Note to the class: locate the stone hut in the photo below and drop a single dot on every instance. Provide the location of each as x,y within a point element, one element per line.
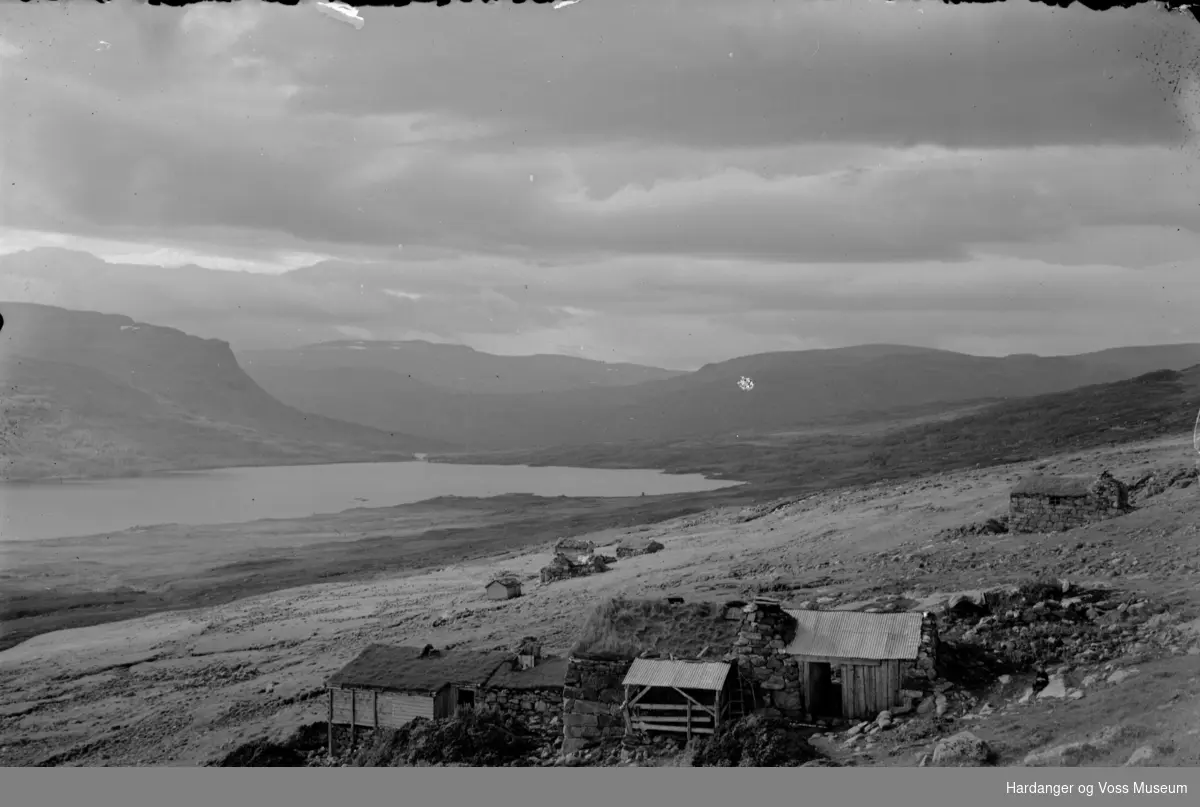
<point>574,547</point>
<point>854,665</point>
<point>1055,503</point>
<point>563,568</point>
<point>503,588</point>
<point>529,687</point>
<point>620,632</point>
<point>629,549</point>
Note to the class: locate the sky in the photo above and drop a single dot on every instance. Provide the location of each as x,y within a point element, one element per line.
<point>671,183</point>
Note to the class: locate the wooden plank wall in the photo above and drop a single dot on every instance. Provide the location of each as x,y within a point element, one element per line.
<point>389,710</point>
<point>868,690</point>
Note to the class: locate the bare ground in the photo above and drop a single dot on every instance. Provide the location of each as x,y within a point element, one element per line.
<point>182,687</point>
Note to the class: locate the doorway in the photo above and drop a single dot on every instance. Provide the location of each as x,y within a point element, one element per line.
<point>466,699</point>
<point>824,690</point>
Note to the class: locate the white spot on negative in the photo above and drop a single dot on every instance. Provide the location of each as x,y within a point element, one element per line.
<point>745,383</point>
<point>342,12</point>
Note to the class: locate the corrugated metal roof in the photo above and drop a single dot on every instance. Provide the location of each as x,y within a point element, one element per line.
<point>854,634</point>
<point>652,672</point>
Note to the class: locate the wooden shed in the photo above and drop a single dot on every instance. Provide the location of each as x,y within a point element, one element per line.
<point>388,686</point>
<point>691,697</point>
<point>852,663</point>
<point>503,588</point>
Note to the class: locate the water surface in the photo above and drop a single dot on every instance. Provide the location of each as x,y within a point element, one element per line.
<point>51,510</point>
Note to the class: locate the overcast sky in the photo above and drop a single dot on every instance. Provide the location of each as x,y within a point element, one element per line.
<point>670,182</point>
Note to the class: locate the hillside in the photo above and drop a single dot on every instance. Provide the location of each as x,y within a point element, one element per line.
<point>97,394</point>
<point>1158,404</point>
<point>456,367</point>
<point>791,390</point>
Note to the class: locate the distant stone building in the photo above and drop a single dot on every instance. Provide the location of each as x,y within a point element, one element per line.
<point>629,549</point>
<point>1055,503</point>
<point>504,588</point>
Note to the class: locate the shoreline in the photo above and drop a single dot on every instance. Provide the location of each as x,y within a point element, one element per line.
<point>442,459</point>
<point>81,581</point>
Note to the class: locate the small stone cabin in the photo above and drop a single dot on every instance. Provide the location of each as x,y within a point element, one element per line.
<point>503,588</point>
<point>854,665</point>
<point>387,686</point>
<point>782,663</point>
<point>1055,503</point>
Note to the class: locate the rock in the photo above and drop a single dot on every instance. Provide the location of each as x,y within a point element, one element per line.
<point>941,705</point>
<point>1139,756</point>
<point>961,750</point>
<point>923,762</point>
<point>1056,688</point>
<point>884,717</point>
<point>1005,680</point>
<point>1074,694</point>
<point>1026,696</point>
<point>1090,680</point>
<point>926,706</point>
<point>1120,676</point>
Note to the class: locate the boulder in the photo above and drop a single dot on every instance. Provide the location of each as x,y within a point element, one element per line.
<point>1056,688</point>
<point>962,750</point>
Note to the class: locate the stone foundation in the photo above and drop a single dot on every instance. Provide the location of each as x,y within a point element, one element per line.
<point>591,702</point>
<point>762,662</point>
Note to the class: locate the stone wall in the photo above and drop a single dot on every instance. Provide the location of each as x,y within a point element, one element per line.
<point>591,702</point>
<point>919,677</point>
<point>536,708</point>
<point>763,663</point>
<point>1045,512</point>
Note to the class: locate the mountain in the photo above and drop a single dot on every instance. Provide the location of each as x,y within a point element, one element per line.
<point>456,367</point>
<point>86,393</point>
<point>790,390</point>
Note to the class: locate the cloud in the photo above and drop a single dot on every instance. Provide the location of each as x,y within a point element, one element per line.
<point>715,179</point>
<point>641,309</point>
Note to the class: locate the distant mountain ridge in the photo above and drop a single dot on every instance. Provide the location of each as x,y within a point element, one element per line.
<point>458,367</point>
<point>88,393</point>
<point>791,389</point>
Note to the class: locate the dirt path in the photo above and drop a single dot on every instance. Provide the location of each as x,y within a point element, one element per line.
<point>179,688</point>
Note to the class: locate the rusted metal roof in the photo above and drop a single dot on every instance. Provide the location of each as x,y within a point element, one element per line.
<point>854,634</point>
<point>653,672</point>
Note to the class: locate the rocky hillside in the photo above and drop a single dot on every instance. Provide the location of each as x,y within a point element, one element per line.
<point>98,394</point>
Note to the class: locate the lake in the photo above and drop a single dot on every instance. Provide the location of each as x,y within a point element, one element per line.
<point>30,512</point>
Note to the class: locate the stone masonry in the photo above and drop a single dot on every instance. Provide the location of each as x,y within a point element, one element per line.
<point>1053,505</point>
<point>763,662</point>
<point>591,702</point>
<point>536,708</point>
<point>920,676</point>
